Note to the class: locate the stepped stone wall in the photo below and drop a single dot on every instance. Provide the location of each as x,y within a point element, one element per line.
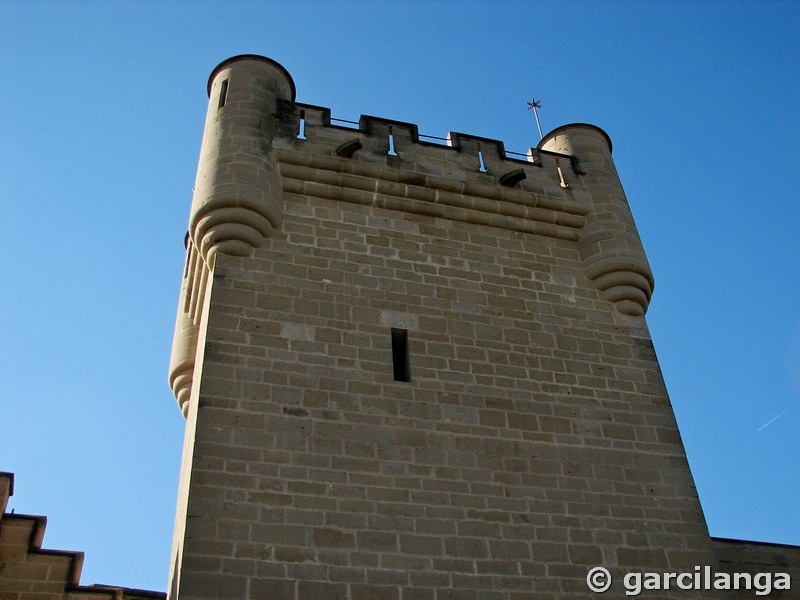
<point>29,572</point>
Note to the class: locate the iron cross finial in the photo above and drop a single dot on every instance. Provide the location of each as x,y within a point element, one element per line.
<point>534,104</point>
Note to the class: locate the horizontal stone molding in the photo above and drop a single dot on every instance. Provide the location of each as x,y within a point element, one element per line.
<point>393,189</point>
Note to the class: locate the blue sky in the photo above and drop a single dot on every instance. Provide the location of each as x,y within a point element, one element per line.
<point>102,113</point>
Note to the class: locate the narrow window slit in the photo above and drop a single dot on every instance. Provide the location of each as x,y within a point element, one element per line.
<point>223,94</point>
<point>392,153</point>
<point>400,361</point>
<point>483,168</point>
<point>302,134</point>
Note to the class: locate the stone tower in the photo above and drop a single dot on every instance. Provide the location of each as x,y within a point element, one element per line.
<point>414,369</point>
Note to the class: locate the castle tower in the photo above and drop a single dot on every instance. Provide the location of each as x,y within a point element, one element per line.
<point>414,370</point>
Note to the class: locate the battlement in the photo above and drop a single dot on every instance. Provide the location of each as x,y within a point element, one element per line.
<point>481,158</point>
<point>463,178</point>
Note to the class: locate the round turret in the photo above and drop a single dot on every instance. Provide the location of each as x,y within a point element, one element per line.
<point>237,198</point>
<point>609,243</point>
<point>237,195</point>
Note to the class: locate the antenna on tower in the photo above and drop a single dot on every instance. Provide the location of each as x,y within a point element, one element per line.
<point>534,104</point>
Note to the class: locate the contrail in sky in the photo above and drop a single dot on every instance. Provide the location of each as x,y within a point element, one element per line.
<point>776,417</point>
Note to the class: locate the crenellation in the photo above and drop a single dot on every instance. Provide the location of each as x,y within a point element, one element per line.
<point>416,154</point>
